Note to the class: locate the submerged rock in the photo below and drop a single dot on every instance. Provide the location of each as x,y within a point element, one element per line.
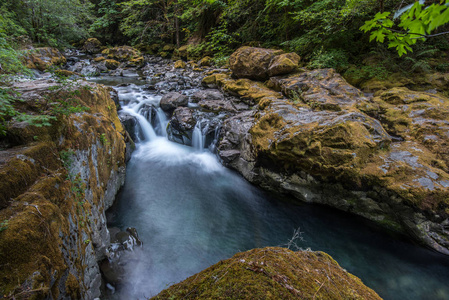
<point>123,244</point>
<point>272,273</point>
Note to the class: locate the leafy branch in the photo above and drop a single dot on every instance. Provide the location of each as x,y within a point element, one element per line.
<point>416,22</point>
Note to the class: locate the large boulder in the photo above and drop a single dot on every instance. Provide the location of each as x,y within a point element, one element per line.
<point>111,64</point>
<point>181,125</point>
<point>260,63</point>
<point>252,62</point>
<point>283,64</point>
<point>173,100</point>
<point>322,89</point>
<point>183,119</point>
<point>92,46</point>
<point>122,53</point>
<point>272,273</point>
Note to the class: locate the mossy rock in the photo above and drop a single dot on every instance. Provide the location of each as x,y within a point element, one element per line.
<point>155,47</point>
<point>393,80</point>
<point>168,48</point>
<point>164,54</point>
<point>43,58</point>
<point>205,61</point>
<point>414,116</point>
<point>121,53</point>
<point>179,64</point>
<point>414,173</point>
<point>65,73</point>
<point>284,64</point>
<point>43,249</point>
<point>111,64</point>
<point>393,146</point>
<point>136,62</point>
<point>144,48</point>
<point>252,62</point>
<point>320,89</point>
<point>92,46</point>
<point>272,273</point>
<point>183,51</point>
<point>98,59</point>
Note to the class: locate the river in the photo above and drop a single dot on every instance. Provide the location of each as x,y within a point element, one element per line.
<point>192,212</point>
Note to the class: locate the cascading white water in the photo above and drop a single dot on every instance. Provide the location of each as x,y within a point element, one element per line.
<point>198,137</point>
<point>146,127</point>
<point>136,102</point>
<point>163,122</point>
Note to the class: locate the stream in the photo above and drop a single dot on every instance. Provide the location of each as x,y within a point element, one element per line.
<point>191,212</point>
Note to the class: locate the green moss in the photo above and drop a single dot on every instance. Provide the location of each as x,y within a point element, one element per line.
<point>272,273</point>
<point>38,196</point>
<point>111,64</point>
<point>179,64</point>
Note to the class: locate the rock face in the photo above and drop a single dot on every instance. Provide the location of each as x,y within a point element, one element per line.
<point>318,138</point>
<point>260,63</point>
<point>56,183</point>
<point>272,273</point>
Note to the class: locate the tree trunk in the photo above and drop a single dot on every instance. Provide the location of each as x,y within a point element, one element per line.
<point>381,5</point>
<point>177,23</point>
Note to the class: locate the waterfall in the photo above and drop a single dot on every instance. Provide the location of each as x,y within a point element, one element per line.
<point>145,108</point>
<point>146,127</point>
<point>163,122</point>
<point>199,136</point>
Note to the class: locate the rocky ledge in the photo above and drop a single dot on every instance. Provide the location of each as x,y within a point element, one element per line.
<point>312,135</point>
<point>272,273</point>
<point>56,183</point>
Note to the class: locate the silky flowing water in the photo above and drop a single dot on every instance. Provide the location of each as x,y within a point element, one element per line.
<point>191,212</point>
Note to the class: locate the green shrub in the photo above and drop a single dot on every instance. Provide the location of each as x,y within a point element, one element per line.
<point>333,58</point>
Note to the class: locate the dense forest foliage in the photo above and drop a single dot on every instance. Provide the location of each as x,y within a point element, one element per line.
<point>325,33</point>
